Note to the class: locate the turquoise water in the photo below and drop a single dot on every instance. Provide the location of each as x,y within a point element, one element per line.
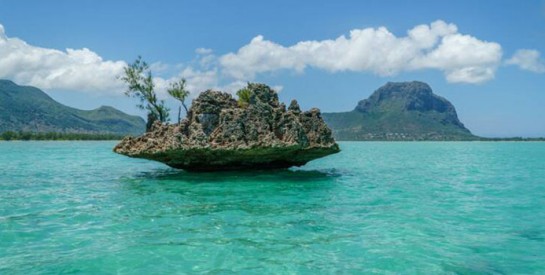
<point>463,207</point>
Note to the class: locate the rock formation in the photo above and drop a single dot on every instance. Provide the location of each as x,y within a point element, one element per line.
<point>220,133</point>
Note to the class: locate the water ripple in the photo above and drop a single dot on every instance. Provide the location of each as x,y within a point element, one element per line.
<point>75,207</point>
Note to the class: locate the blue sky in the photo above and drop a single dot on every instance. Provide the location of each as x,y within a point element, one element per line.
<point>486,57</point>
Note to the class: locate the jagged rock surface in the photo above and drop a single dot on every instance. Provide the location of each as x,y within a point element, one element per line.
<point>218,134</point>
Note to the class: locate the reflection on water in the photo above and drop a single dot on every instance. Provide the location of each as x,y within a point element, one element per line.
<point>472,267</point>
<point>235,176</point>
<point>256,193</point>
<point>266,181</point>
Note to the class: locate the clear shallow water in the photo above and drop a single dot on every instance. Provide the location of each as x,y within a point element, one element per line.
<point>76,207</point>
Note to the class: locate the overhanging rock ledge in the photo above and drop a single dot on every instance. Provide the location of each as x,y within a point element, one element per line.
<point>220,133</point>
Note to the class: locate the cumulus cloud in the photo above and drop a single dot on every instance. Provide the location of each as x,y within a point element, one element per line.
<point>84,70</point>
<point>203,51</point>
<point>72,69</point>
<point>160,67</point>
<point>2,33</point>
<point>198,81</point>
<point>439,46</point>
<point>528,60</point>
<point>436,46</point>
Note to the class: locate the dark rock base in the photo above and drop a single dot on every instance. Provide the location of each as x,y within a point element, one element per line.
<point>242,159</point>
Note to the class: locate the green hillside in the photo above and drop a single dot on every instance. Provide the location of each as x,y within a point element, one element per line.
<point>400,111</point>
<point>28,109</point>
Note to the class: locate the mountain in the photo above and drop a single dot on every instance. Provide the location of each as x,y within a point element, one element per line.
<point>400,111</point>
<point>28,109</point>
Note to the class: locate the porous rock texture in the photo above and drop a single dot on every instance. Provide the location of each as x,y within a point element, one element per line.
<point>219,133</point>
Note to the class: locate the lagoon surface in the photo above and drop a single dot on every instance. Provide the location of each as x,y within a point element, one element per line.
<point>414,207</point>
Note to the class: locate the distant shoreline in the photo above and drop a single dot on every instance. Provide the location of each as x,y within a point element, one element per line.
<point>54,136</point>
<point>118,138</point>
<point>431,140</point>
<point>516,139</point>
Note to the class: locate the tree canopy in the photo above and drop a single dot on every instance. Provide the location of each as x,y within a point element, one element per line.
<point>244,95</point>
<point>178,91</point>
<point>140,85</point>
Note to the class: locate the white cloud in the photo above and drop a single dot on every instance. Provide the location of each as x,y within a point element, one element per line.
<point>84,70</point>
<point>197,81</point>
<point>437,46</point>
<point>233,87</point>
<point>462,58</point>
<point>2,33</point>
<point>159,67</point>
<point>203,51</point>
<point>208,61</point>
<point>278,88</point>
<point>72,69</point>
<point>260,56</point>
<point>527,60</point>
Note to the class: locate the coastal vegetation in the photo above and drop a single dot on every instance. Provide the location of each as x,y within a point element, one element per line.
<point>30,110</point>
<point>512,139</point>
<point>11,135</point>
<point>178,91</point>
<point>244,96</point>
<point>140,85</point>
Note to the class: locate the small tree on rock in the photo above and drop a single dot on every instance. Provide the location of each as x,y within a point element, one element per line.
<point>140,85</point>
<point>179,92</point>
<point>244,95</point>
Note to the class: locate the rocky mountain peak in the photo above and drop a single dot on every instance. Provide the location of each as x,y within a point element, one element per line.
<point>413,95</point>
<point>400,111</point>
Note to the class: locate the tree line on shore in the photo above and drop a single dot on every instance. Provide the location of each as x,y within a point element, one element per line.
<point>12,135</point>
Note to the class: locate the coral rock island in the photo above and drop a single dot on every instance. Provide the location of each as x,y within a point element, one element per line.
<point>221,133</point>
